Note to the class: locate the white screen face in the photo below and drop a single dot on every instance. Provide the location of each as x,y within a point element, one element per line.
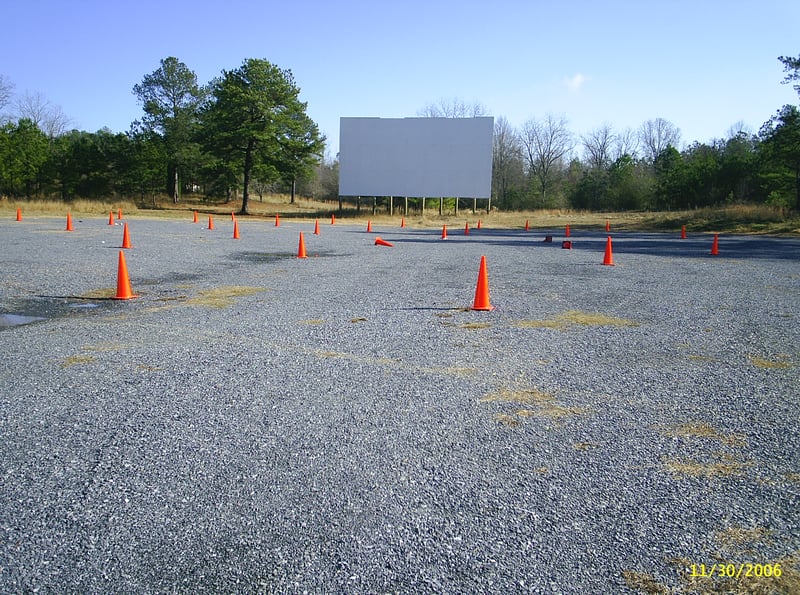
<point>419,157</point>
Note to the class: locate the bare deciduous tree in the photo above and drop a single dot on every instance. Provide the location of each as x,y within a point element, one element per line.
<point>598,146</point>
<point>627,143</point>
<point>6,92</point>
<point>506,157</point>
<point>49,118</point>
<point>656,135</point>
<point>546,143</point>
<point>453,108</point>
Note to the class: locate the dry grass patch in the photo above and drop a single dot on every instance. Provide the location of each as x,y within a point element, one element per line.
<point>643,582</point>
<point>75,360</point>
<point>99,294</point>
<point>704,430</point>
<point>222,297</point>
<point>679,468</point>
<point>781,362</point>
<point>576,318</point>
<point>536,402</point>
<point>312,322</point>
<point>475,325</point>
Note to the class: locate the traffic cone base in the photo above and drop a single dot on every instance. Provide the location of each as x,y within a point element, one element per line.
<point>301,248</point>
<point>380,242</point>
<point>124,291</point>
<point>126,238</point>
<point>482,289</point>
<point>608,258</point>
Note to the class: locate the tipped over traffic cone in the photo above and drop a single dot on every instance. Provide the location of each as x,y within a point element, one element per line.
<point>69,222</point>
<point>194,220</point>
<point>566,231</point>
<point>124,291</point>
<point>19,214</point>
<point>466,228</point>
<point>210,222</point>
<point>301,247</point>
<point>380,242</point>
<point>126,238</point>
<point>444,232</point>
<point>316,227</point>
<point>683,232</point>
<point>715,245</point>
<point>369,226</point>
<point>608,258</point>
<point>482,289</point>
<point>111,218</point>
<point>235,229</point>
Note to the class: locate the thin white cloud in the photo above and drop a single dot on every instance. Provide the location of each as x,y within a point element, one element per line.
<point>575,82</point>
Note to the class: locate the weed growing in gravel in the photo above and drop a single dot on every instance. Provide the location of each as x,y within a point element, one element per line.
<point>576,318</point>
<point>704,430</point>
<point>781,362</point>
<point>722,464</point>
<point>475,325</point>
<point>222,297</point>
<point>538,403</point>
<point>75,360</point>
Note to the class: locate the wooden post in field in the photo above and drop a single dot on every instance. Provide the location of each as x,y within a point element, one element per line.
<point>423,207</point>
<point>474,205</point>
<point>358,204</point>
<point>391,206</point>
<point>374,204</point>
<point>456,206</point>
<point>405,207</point>
<point>441,205</point>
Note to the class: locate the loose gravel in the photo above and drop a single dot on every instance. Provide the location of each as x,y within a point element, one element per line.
<point>254,422</point>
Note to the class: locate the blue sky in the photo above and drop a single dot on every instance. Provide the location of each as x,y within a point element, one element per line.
<point>702,65</point>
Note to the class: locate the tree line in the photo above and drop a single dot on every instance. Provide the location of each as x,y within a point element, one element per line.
<point>247,131</point>
<point>244,132</point>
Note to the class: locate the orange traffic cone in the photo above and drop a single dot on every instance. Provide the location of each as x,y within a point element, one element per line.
<point>124,291</point>
<point>111,218</point>
<point>69,222</point>
<point>277,220</point>
<point>119,214</point>
<point>210,222</point>
<point>715,245</point>
<point>566,231</point>
<point>402,221</point>
<point>301,248</point>
<point>126,238</point>
<point>526,225</point>
<point>444,232</point>
<point>333,218</point>
<point>369,226</point>
<point>19,214</point>
<point>608,225</point>
<point>466,228</point>
<point>316,227</point>
<point>608,258</point>
<point>235,229</point>
<point>683,232</point>
<point>233,216</point>
<point>195,217</point>
<point>482,289</point>
<point>380,242</point>
<point>479,223</point>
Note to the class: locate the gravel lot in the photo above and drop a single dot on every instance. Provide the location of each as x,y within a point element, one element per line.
<point>255,422</point>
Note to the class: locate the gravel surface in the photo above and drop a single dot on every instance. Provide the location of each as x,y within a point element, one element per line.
<point>255,422</point>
